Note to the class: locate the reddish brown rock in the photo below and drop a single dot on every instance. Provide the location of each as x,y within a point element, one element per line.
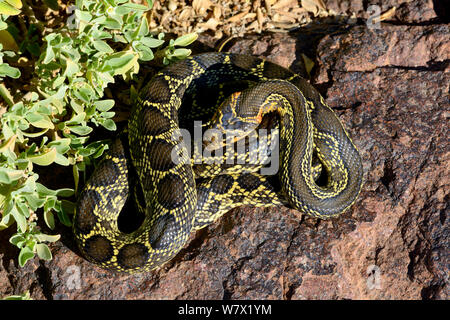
<point>365,50</point>
<point>407,11</point>
<point>392,244</point>
<point>276,47</point>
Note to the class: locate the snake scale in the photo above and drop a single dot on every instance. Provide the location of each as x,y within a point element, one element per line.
<point>177,197</point>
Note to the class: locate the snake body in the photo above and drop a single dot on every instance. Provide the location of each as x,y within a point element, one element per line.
<point>177,197</point>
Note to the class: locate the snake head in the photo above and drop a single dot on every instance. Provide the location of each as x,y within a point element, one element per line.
<point>227,126</point>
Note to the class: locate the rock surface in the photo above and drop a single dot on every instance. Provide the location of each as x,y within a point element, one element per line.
<point>390,88</point>
<point>406,11</point>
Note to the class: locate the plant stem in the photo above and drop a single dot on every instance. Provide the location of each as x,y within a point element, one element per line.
<point>4,92</point>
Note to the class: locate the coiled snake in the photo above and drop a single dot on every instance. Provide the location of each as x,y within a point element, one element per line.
<point>177,197</point>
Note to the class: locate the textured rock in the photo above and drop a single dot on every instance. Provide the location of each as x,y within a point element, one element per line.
<point>390,88</point>
<point>407,11</point>
<point>391,46</point>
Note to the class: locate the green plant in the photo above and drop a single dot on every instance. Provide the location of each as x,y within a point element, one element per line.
<point>7,8</point>
<point>52,122</point>
<point>24,296</point>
